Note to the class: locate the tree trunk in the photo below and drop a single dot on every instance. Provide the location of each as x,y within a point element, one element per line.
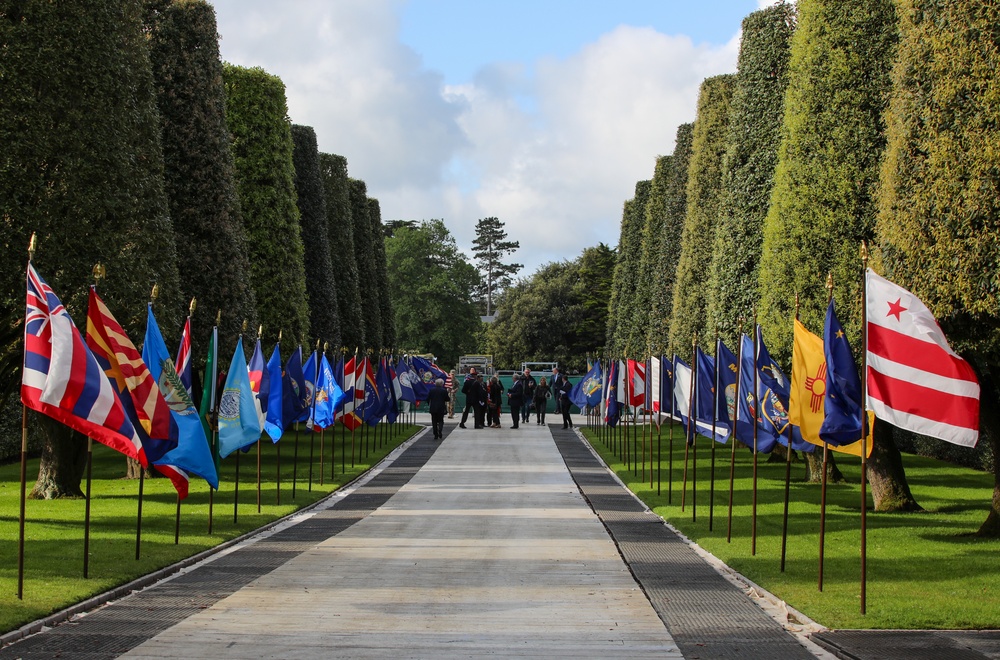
<point>989,425</point>
<point>886,474</point>
<point>134,469</point>
<point>63,461</point>
<point>815,462</point>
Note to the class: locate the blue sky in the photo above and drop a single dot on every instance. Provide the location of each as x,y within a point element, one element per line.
<point>542,113</point>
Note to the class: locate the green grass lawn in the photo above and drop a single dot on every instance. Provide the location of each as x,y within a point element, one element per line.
<point>925,570</point>
<point>54,529</point>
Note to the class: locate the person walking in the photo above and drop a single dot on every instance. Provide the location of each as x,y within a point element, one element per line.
<point>564,388</point>
<point>437,404</point>
<point>451,385</point>
<point>528,384</point>
<point>479,405</point>
<point>541,398</point>
<point>515,399</point>
<point>470,400</point>
<point>494,401</point>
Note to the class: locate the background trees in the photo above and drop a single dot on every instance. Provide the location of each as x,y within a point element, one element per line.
<point>489,249</point>
<point>340,228</point>
<point>364,257</point>
<point>432,284</point>
<point>622,338</point>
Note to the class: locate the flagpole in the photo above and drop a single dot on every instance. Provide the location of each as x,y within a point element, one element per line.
<point>236,481</point>
<point>295,460</point>
<point>694,435</point>
<point>864,433</point>
<point>142,472</point>
<point>260,331</point>
<point>788,474</point>
<point>277,445</point>
<point>691,415</point>
<point>98,273</point>
<point>659,431</point>
<point>187,325</point>
<point>715,417</point>
<point>826,453</point>
<point>211,409</point>
<point>736,414</point>
<point>670,433</point>
<point>312,415</point>
<point>343,428</point>
<point>24,465</point>
<point>756,413</point>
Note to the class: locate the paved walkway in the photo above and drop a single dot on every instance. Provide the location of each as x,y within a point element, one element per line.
<point>484,544</point>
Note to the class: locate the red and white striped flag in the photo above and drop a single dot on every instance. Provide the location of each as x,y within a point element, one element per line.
<point>636,382</point>
<point>915,380</point>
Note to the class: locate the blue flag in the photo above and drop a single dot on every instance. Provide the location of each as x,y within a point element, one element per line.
<point>273,424</point>
<point>747,415</point>
<point>587,392</point>
<point>309,375</point>
<point>293,403</point>
<point>406,377</point>
<point>666,393</point>
<point>705,399</point>
<point>386,392</point>
<point>612,409</point>
<point>773,392</point>
<point>426,372</point>
<point>192,455</point>
<point>329,396</point>
<point>842,402</point>
<point>725,389</point>
<point>239,425</point>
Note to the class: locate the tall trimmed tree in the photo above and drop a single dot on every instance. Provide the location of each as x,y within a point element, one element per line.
<point>490,247</point>
<point>340,227</point>
<point>364,256</point>
<point>704,191</point>
<point>938,223</point>
<point>623,338</point>
<point>321,287</point>
<point>198,167</point>
<point>256,113</point>
<point>82,168</point>
<point>387,317</point>
<point>748,175</point>
<point>652,244</point>
<point>669,242</point>
<point>823,201</point>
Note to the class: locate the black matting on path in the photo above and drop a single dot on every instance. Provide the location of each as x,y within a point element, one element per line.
<point>121,626</point>
<point>707,615</point>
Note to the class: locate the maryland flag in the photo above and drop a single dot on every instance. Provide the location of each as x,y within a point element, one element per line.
<point>809,374</point>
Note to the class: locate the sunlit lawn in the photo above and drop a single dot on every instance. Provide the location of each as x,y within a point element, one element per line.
<point>925,570</point>
<point>54,530</point>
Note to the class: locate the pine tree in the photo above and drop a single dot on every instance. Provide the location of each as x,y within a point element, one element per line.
<point>386,316</point>
<point>652,245</point>
<point>340,228</point>
<point>625,340</point>
<point>364,256</point>
<point>704,188</point>
<point>321,287</point>
<point>256,113</point>
<point>489,248</point>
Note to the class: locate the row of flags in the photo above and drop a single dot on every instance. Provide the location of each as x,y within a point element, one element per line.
<point>915,381</point>
<point>142,405</point>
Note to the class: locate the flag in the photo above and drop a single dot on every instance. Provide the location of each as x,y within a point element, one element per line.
<point>682,393</point>
<point>274,424</point>
<point>310,375</point>
<point>636,380</point>
<point>183,363</point>
<point>405,378</point>
<point>208,394</point>
<point>612,410</point>
<point>915,380</point>
<point>725,391</point>
<point>62,379</point>
<point>191,454</point>
<point>239,425</point>
<point>329,397</point>
<point>350,419</point>
<point>810,387</point>
<point>426,372</point>
<point>293,402</point>
<point>705,399</point>
<point>655,378</point>
<point>385,389</point>
<point>842,399</point>
<point>124,365</point>
<point>747,416</point>
<point>772,397</point>
<point>260,383</point>
<point>373,399</point>
<point>587,392</point>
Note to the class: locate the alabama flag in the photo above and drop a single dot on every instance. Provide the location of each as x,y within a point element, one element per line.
<point>915,380</point>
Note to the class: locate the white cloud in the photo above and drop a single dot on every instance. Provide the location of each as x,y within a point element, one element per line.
<point>553,148</point>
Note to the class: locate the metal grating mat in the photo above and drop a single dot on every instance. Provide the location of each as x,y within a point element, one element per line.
<point>707,616</point>
<point>911,644</point>
<point>118,627</point>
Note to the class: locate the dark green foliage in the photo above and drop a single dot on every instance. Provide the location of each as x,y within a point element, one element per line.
<point>624,338</point>
<point>386,317</point>
<point>364,256</point>
<point>558,314</point>
<point>704,192</point>
<point>938,222</point>
<point>198,167</point>
<point>321,284</point>
<point>340,227</point>
<point>81,165</point>
<point>256,113</point>
<point>432,284</point>
<point>669,242</point>
<point>489,247</point>
<point>748,174</point>
<point>652,245</point>
<point>823,202</point>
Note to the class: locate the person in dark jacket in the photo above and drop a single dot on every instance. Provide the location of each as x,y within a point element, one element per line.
<point>494,400</point>
<point>515,400</point>
<point>470,400</point>
<point>479,405</point>
<point>437,404</point>
<point>564,387</point>
<point>541,396</point>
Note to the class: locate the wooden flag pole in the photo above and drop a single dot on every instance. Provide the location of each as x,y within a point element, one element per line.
<point>688,432</point>
<point>826,454</point>
<point>211,409</point>
<point>24,481</point>
<point>277,444</point>
<point>236,481</point>
<point>153,295</point>
<point>715,418</point>
<point>670,435</point>
<point>98,273</point>
<point>694,433</point>
<point>736,414</point>
<point>756,404</point>
<point>788,476</point>
<point>177,522</point>
<point>211,491</point>
<point>864,434</point>
<point>295,460</point>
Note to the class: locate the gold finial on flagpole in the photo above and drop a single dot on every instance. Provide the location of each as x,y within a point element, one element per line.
<point>98,272</point>
<point>279,336</point>
<point>326,345</point>
<point>192,305</point>
<point>243,329</point>
<point>32,244</point>
<point>260,331</point>
<point>317,344</point>
<point>864,253</point>
<point>154,294</point>
<point>218,317</point>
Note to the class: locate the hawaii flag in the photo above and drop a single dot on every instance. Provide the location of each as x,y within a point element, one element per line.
<point>915,380</point>
<point>61,377</point>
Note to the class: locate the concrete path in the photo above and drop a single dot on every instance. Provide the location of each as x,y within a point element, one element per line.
<point>489,550</point>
